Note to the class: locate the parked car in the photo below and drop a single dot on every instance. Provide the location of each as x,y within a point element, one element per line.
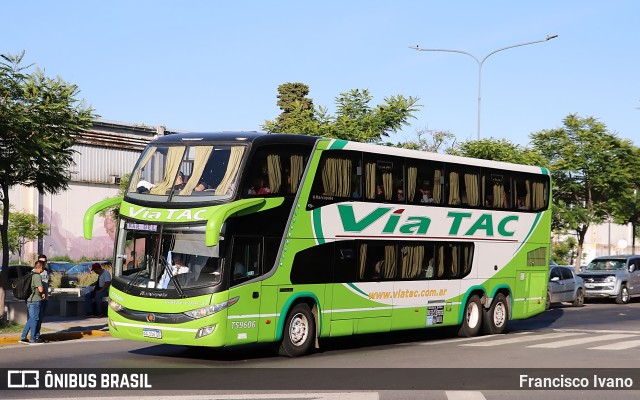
<point>73,274</point>
<point>15,272</point>
<point>59,266</point>
<point>613,277</point>
<point>564,286</point>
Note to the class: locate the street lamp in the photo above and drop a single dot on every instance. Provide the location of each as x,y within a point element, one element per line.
<point>634,221</point>
<point>481,62</point>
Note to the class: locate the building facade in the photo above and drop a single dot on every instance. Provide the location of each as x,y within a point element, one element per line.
<point>103,156</point>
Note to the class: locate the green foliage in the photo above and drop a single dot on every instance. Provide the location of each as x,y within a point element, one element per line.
<point>431,141</point>
<point>25,228</point>
<point>87,279</point>
<point>564,252</point>
<point>40,118</point>
<point>592,170</point>
<point>114,211</point>
<point>500,150</point>
<point>10,327</point>
<point>355,119</point>
<point>61,258</point>
<point>55,280</point>
<point>22,228</point>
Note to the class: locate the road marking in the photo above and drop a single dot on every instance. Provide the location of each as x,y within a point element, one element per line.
<point>627,344</point>
<point>466,395</point>
<point>573,342</point>
<point>450,340</point>
<point>522,339</point>
<point>598,331</point>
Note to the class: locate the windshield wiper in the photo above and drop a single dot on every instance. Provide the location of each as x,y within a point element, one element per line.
<point>173,279</point>
<point>127,289</point>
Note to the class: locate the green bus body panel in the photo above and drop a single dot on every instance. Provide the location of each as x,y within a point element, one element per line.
<point>180,334</point>
<point>89,215</point>
<point>351,307</point>
<point>240,207</point>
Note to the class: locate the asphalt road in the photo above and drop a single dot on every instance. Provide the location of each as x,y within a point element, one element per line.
<point>598,336</point>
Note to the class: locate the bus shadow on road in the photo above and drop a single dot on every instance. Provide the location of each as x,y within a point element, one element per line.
<point>541,321</point>
<point>269,351</point>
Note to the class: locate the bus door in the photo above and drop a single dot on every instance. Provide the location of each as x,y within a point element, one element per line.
<point>531,289</point>
<point>244,268</point>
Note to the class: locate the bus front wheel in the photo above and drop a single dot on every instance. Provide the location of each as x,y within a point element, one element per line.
<point>495,318</point>
<point>299,331</point>
<point>472,317</point>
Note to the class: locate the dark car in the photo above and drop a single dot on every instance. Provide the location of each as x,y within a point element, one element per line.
<point>564,286</point>
<point>72,275</point>
<point>59,266</point>
<point>15,272</point>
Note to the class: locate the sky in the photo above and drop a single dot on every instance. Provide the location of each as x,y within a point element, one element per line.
<point>211,66</point>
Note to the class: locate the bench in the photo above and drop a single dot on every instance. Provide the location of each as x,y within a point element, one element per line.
<point>70,301</point>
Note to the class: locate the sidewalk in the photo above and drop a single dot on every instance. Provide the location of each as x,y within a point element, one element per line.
<point>57,328</point>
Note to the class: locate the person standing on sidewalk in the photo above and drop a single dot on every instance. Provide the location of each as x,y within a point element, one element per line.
<point>45,275</point>
<point>33,304</point>
<point>93,299</point>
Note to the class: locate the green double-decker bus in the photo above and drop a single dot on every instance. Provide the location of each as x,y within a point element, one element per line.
<point>233,238</point>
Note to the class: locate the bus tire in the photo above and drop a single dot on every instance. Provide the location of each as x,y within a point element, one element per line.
<point>299,332</point>
<point>471,318</point>
<point>496,317</point>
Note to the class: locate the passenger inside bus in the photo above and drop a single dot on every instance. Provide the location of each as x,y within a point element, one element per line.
<point>260,186</point>
<point>179,266</point>
<point>180,181</point>
<point>427,195</point>
<point>379,192</point>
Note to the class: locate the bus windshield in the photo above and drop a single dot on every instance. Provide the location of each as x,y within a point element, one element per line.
<point>185,173</point>
<point>165,257</point>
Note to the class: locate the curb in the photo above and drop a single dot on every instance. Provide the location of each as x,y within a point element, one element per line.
<point>58,336</point>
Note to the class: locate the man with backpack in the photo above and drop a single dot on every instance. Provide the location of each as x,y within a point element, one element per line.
<point>44,276</point>
<point>34,302</point>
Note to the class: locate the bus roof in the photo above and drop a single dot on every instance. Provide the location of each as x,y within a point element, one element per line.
<point>242,137</point>
<point>266,138</point>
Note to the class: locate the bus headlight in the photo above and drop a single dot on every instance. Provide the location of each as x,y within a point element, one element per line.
<point>207,330</point>
<point>212,309</point>
<point>115,306</point>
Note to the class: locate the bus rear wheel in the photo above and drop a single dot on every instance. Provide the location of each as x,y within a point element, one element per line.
<point>299,332</point>
<point>495,318</point>
<point>472,318</point>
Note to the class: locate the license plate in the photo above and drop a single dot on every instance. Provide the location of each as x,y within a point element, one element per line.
<point>589,285</point>
<point>152,333</point>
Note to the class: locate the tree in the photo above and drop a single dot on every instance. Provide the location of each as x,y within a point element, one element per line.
<point>40,118</point>
<point>563,252</point>
<point>629,195</point>
<point>432,141</point>
<point>588,165</point>
<point>355,119</point>
<point>24,227</point>
<point>500,150</point>
<point>293,96</point>
<point>115,211</point>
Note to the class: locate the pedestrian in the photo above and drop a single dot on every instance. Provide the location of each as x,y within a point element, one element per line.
<point>45,275</point>
<point>33,305</point>
<point>93,299</point>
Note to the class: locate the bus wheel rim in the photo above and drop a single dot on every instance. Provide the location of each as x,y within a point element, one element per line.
<point>298,329</point>
<point>473,315</point>
<point>499,314</point>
